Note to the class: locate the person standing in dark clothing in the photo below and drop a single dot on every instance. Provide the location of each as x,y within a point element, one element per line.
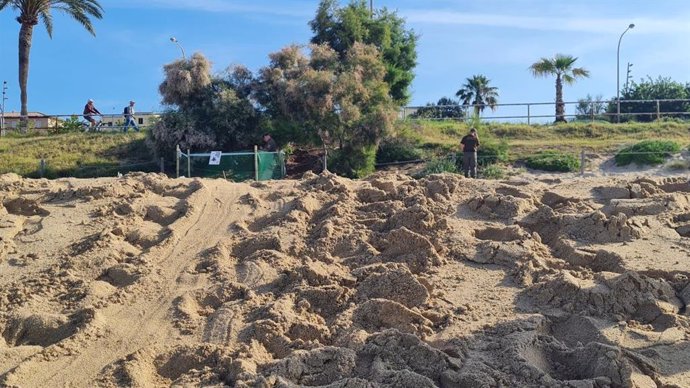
<point>469,145</point>
<point>269,145</point>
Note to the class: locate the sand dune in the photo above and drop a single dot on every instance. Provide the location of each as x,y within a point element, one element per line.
<point>145,281</point>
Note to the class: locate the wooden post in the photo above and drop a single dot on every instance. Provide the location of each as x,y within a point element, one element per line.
<point>325,159</point>
<point>177,161</point>
<point>162,166</point>
<point>42,167</point>
<point>658,110</point>
<point>256,163</point>
<point>582,163</point>
<point>189,164</point>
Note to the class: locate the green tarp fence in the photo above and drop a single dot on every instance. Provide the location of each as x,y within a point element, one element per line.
<point>236,166</point>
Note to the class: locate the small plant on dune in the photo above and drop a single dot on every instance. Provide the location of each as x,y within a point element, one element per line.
<point>553,161</point>
<point>647,152</point>
<point>397,149</point>
<point>493,171</point>
<point>440,165</point>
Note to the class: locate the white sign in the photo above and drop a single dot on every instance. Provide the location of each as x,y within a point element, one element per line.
<point>214,160</point>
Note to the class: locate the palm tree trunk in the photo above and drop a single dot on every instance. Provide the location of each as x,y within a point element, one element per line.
<point>25,36</point>
<point>560,106</point>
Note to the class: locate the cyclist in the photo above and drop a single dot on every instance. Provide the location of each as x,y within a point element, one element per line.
<point>89,111</point>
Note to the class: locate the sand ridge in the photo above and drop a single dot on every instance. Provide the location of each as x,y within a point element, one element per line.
<point>390,281</point>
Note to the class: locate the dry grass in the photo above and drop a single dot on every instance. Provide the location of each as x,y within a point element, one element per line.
<point>75,154</point>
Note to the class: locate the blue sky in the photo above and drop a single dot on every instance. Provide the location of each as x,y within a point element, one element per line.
<point>458,38</point>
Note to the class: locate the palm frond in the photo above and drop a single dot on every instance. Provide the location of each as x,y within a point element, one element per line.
<point>47,19</point>
<point>581,72</point>
<point>3,4</point>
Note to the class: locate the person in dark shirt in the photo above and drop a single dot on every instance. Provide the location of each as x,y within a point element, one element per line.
<point>89,111</point>
<point>469,145</point>
<point>269,144</point>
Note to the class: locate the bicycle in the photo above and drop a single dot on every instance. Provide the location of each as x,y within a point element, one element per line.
<point>86,125</point>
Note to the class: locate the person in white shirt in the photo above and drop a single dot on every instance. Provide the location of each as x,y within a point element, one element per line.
<point>129,118</point>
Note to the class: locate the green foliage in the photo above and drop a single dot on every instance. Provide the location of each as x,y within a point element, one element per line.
<point>589,108</point>
<point>492,151</point>
<point>553,161</point>
<point>650,152</point>
<point>206,112</point>
<point>71,124</point>
<point>440,165</point>
<point>560,66</point>
<point>286,131</point>
<point>397,149</point>
<point>341,28</point>
<point>353,162</point>
<point>476,91</point>
<point>344,102</point>
<point>493,171</point>
<point>652,89</point>
<point>445,108</point>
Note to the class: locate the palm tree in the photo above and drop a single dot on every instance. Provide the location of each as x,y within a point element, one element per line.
<point>31,12</point>
<point>562,67</point>
<point>476,91</point>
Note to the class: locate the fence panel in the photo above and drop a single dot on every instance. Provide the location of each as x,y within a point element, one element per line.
<point>235,166</point>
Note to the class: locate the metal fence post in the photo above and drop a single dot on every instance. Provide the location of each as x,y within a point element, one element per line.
<point>256,163</point>
<point>528,114</point>
<point>162,166</point>
<point>582,163</point>
<point>189,163</point>
<point>177,161</point>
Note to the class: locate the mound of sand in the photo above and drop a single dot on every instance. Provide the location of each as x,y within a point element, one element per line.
<point>441,282</point>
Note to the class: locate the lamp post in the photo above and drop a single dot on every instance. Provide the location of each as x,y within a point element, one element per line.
<point>174,40</point>
<point>2,108</point>
<point>618,74</point>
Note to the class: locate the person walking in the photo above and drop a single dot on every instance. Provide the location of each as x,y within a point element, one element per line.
<point>129,118</point>
<point>469,146</point>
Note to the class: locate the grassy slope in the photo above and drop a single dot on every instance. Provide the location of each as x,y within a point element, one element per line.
<point>525,140</point>
<point>105,154</point>
<point>76,154</point>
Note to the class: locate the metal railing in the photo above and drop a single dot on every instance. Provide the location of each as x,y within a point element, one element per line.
<point>56,123</point>
<point>541,111</point>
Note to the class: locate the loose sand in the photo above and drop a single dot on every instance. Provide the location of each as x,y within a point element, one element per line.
<point>145,281</point>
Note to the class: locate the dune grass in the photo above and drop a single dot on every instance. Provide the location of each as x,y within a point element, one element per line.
<point>525,140</point>
<point>76,154</point>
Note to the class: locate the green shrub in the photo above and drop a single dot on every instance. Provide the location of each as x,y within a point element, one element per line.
<point>553,161</point>
<point>397,149</point>
<point>440,165</point>
<point>493,171</point>
<point>353,162</point>
<point>491,152</point>
<point>650,152</point>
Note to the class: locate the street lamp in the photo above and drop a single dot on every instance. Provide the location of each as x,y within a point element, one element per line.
<point>2,108</point>
<point>174,40</point>
<point>618,73</point>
